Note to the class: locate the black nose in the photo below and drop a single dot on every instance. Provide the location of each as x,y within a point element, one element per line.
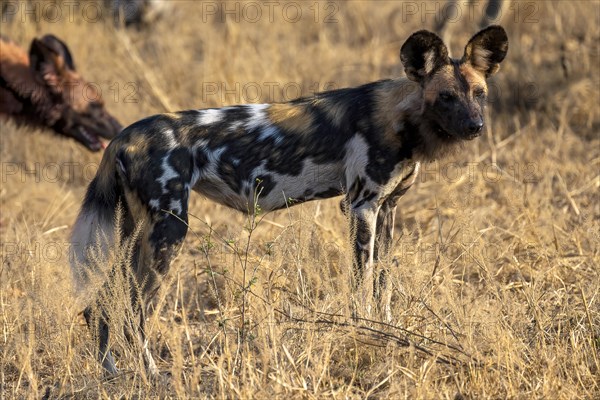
<point>474,127</point>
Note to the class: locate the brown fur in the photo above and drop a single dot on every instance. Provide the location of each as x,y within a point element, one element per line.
<point>172,115</point>
<point>443,78</point>
<point>453,91</point>
<point>291,117</point>
<point>473,77</point>
<point>43,89</point>
<point>14,69</point>
<point>396,101</point>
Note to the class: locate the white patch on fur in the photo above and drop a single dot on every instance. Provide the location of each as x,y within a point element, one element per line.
<point>258,117</point>
<point>198,144</point>
<point>210,171</point>
<point>429,61</point>
<point>209,182</point>
<point>170,138</point>
<point>316,177</point>
<point>211,185</point>
<point>357,158</point>
<point>480,58</point>
<point>155,204</point>
<point>210,116</point>
<point>175,206</point>
<point>194,179</point>
<point>168,173</point>
<point>413,178</point>
<point>91,240</point>
<point>235,125</point>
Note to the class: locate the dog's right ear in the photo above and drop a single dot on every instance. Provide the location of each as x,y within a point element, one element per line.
<point>49,59</point>
<point>422,54</point>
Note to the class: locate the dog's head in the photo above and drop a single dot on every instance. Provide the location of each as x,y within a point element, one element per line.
<point>454,91</point>
<point>82,112</point>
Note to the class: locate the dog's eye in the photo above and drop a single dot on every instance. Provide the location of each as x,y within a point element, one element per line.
<point>446,96</point>
<point>479,93</point>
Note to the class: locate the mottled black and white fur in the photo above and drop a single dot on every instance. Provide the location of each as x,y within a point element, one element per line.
<point>365,143</point>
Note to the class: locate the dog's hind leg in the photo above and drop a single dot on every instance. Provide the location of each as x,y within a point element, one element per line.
<point>148,359</point>
<point>104,355</point>
<point>135,333</point>
<point>158,246</point>
<point>154,194</point>
<point>161,206</point>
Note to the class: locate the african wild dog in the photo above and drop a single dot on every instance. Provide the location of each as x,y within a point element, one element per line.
<point>365,143</point>
<point>43,89</point>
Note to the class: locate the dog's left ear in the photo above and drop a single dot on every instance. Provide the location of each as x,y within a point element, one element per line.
<point>486,50</point>
<point>49,59</point>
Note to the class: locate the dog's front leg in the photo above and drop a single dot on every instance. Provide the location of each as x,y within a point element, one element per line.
<point>386,219</point>
<point>363,221</point>
<point>384,237</point>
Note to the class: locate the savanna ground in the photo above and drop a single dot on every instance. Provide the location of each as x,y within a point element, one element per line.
<point>496,279</point>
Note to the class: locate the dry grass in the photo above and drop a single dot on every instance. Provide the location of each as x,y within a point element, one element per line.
<point>497,290</point>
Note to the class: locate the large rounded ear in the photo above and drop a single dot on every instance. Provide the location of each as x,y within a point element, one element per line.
<point>486,50</point>
<point>422,54</point>
<point>50,58</point>
<point>60,48</point>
